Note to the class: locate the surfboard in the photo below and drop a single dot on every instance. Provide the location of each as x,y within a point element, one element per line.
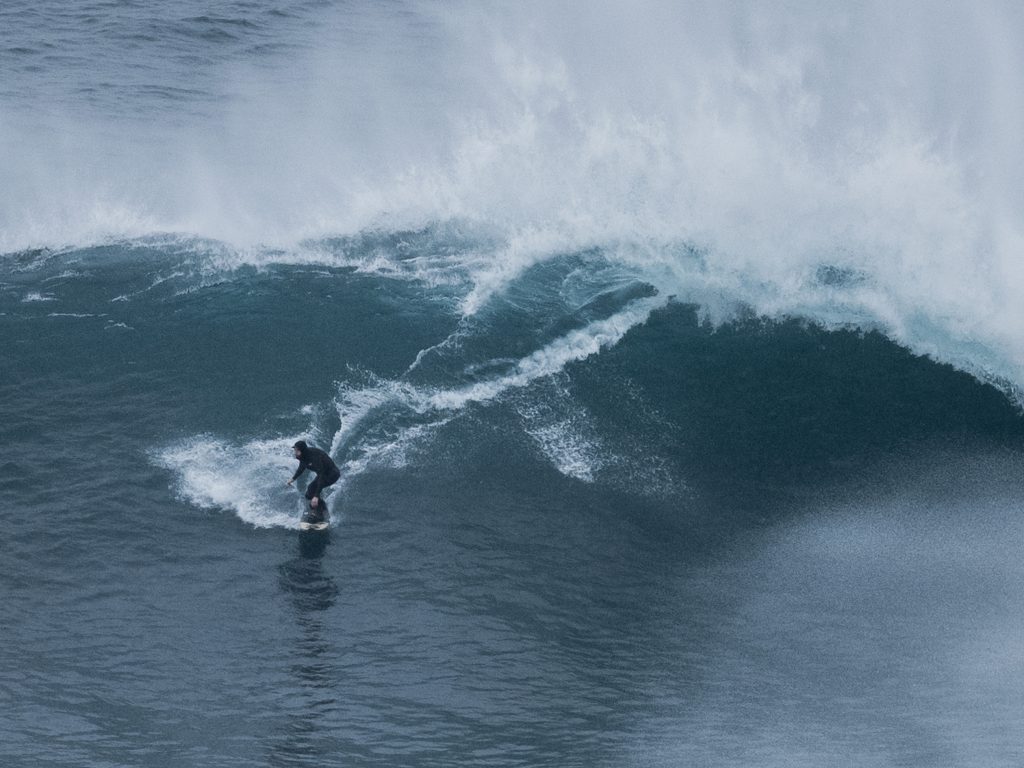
<point>312,521</point>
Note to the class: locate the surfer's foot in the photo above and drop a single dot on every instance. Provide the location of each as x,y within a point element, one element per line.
<point>314,516</point>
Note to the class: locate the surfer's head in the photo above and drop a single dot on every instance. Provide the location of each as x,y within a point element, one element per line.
<point>299,448</point>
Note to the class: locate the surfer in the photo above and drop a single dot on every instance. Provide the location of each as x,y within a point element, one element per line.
<point>327,472</point>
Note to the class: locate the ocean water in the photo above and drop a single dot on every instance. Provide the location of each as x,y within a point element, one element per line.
<point>672,355</point>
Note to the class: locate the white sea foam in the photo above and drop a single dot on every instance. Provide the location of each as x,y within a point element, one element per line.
<point>574,346</point>
<point>248,479</point>
<point>569,437</point>
<point>392,452</point>
<point>569,450</point>
<point>578,344</point>
<point>563,431</point>
<point>35,297</point>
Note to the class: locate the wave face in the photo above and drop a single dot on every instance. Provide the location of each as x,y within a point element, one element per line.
<point>398,352</point>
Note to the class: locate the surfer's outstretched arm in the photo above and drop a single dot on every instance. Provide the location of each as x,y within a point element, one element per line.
<point>303,466</point>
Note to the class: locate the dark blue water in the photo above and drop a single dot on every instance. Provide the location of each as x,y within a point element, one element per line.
<point>628,477</point>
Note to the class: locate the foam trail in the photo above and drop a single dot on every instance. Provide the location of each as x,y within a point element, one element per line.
<point>551,359</point>
<point>248,479</point>
<point>563,432</point>
<point>391,453</point>
<point>381,423</point>
<point>392,404</point>
<point>568,436</point>
<point>574,346</point>
<point>34,297</point>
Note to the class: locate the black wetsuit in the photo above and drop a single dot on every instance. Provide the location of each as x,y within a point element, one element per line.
<point>326,470</point>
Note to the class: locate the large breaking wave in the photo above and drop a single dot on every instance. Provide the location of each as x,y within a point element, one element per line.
<point>851,165</point>
<point>855,167</point>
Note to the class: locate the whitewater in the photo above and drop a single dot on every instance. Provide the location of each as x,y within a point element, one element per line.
<point>869,143</point>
